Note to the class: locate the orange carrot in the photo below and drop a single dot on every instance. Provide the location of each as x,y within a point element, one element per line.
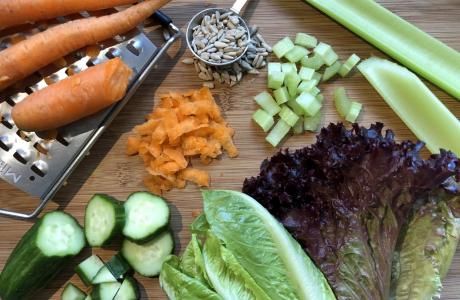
<point>73,98</point>
<point>16,12</point>
<point>30,55</point>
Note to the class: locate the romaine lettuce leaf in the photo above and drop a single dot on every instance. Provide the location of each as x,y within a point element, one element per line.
<point>200,226</point>
<point>191,262</point>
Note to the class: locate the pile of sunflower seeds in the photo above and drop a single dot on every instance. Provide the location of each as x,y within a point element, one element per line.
<point>255,58</point>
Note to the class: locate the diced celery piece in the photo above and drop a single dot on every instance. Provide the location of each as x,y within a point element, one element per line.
<point>315,91</point>
<point>306,40</point>
<point>281,95</point>
<point>309,104</point>
<point>288,116</point>
<point>278,132</point>
<point>298,127</point>
<point>326,53</point>
<point>320,98</point>
<point>292,82</point>
<point>274,67</point>
<point>263,119</point>
<point>342,104</point>
<point>296,108</point>
<point>266,101</point>
<point>331,71</point>
<point>296,54</point>
<point>283,47</point>
<point>313,123</point>
<point>276,80</point>
<point>414,103</point>
<point>306,73</point>
<point>289,68</point>
<point>353,113</point>
<point>351,62</point>
<point>306,86</point>
<point>317,76</point>
<point>313,62</point>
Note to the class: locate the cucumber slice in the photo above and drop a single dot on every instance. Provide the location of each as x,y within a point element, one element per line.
<point>89,268</point>
<point>305,40</point>
<point>278,132</point>
<point>148,258</point>
<point>283,47</point>
<point>263,119</point>
<point>118,266</point>
<point>40,255</point>
<point>104,276</point>
<point>129,290</point>
<point>146,216</point>
<point>71,292</point>
<point>104,219</point>
<point>105,291</point>
<point>266,101</point>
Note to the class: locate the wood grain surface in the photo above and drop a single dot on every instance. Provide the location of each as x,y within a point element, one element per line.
<point>108,170</point>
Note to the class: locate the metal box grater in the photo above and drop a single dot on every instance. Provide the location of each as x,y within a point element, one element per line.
<point>38,166</point>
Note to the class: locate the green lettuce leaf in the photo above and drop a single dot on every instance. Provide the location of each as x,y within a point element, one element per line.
<point>192,263</point>
<point>229,278</point>
<point>200,226</point>
<point>263,247</point>
<point>179,286</point>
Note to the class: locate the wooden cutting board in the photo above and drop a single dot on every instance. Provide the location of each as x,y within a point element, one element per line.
<point>108,170</point>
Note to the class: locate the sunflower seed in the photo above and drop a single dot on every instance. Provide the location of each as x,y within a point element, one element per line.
<point>203,76</point>
<point>197,67</point>
<point>235,20</point>
<point>187,61</point>
<point>211,50</point>
<point>205,55</point>
<point>254,72</point>
<point>220,44</point>
<point>225,56</point>
<point>215,56</point>
<point>208,84</point>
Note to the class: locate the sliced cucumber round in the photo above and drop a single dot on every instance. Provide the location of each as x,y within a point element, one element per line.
<point>147,259</point>
<point>146,216</point>
<point>129,290</point>
<point>104,219</point>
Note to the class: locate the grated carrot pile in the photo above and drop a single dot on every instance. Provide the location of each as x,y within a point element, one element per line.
<point>180,127</point>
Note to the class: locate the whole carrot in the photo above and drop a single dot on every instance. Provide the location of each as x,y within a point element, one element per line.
<point>30,55</point>
<point>15,12</point>
<point>73,98</point>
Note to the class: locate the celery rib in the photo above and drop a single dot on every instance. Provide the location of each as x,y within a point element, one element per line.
<point>414,103</point>
<point>414,48</point>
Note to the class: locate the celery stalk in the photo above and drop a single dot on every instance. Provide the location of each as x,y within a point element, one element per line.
<point>309,104</point>
<point>306,40</point>
<point>281,95</point>
<point>275,79</point>
<point>403,41</point>
<point>414,103</point>
<point>292,82</point>
<point>266,101</point>
<point>287,68</point>
<point>283,47</point>
<point>306,73</point>
<point>351,62</point>
<point>288,116</point>
<point>306,86</point>
<point>278,132</point>
<point>298,127</point>
<point>313,123</point>
<point>296,108</point>
<point>314,62</point>
<point>331,71</point>
<point>263,119</point>
<point>326,52</point>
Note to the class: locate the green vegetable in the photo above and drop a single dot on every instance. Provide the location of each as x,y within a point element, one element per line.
<point>263,119</point>
<point>40,255</point>
<point>341,101</point>
<point>331,71</point>
<point>306,86</point>
<point>283,47</point>
<point>315,91</point>
<point>199,226</point>
<point>275,79</point>
<point>266,101</point>
<point>296,54</point>
<point>192,263</point>
<point>281,95</point>
<point>313,123</point>
<point>309,104</point>
<point>129,290</point>
<point>403,41</point>
<point>313,62</point>
<point>228,277</point>
<point>305,40</point>
<point>326,52</point>
<point>298,127</point>
<point>287,68</point>
<point>89,268</point>
<point>274,67</point>
<point>320,98</point>
<point>292,82</point>
<point>71,292</point>
<point>353,113</point>
<point>349,64</point>
<point>306,73</point>
<point>105,291</point>
<point>288,116</point>
<point>103,276</point>
<point>296,108</point>
<point>118,266</point>
<point>414,103</point>
<point>278,132</point>
<point>178,285</point>
<point>317,76</point>
<point>263,247</point>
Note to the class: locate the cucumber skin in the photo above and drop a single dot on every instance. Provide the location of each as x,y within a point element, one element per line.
<point>118,266</point>
<point>133,282</point>
<point>37,269</point>
<point>120,218</point>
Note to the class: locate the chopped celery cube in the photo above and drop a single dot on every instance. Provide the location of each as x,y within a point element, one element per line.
<point>320,98</point>
<point>309,104</point>
<point>296,54</point>
<point>306,73</point>
<point>283,47</point>
<point>296,108</point>
<point>314,62</point>
<point>289,68</point>
<point>353,113</point>
<point>313,123</point>
<point>317,76</point>
<point>288,116</point>
<point>315,91</point>
<point>306,86</point>
<point>281,95</point>
<point>292,82</point>
<point>327,54</point>
<point>331,71</point>
<point>305,40</point>
<point>263,119</point>
<point>351,62</point>
<point>278,132</point>
<point>275,80</point>
<point>298,127</point>
<point>274,67</point>
<point>342,104</point>
<point>266,101</point>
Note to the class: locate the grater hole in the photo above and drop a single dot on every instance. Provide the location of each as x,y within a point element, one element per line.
<point>4,146</point>
<point>32,178</point>
<point>62,140</point>
<point>37,171</point>
<point>72,70</point>
<point>133,48</point>
<point>6,123</point>
<point>28,90</point>
<point>112,53</point>
<point>40,148</point>
<point>10,101</point>
<point>23,135</point>
<point>19,158</point>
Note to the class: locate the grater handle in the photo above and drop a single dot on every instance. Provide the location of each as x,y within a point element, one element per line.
<point>162,18</point>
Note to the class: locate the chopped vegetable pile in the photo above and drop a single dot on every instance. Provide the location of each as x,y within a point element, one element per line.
<point>181,127</point>
<point>347,199</point>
